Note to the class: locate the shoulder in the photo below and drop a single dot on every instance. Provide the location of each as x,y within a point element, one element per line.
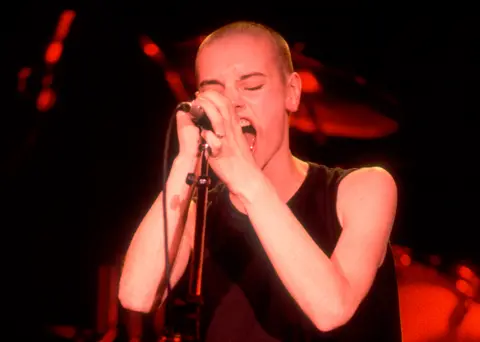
<point>372,178</point>
<point>364,181</point>
<point>368,189</point>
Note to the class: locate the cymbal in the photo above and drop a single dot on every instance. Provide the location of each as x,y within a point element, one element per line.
<point>356,121</point>
<point>301,61</point>
<point>334,102</point>
<point>337,104</point>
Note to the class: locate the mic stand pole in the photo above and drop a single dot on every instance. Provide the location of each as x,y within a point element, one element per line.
<point>194,298</point>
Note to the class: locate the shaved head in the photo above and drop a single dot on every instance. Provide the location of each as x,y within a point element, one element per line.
<point>280,47</point>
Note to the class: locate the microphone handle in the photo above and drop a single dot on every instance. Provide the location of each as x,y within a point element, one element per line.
<point>203,122</point>
<point>199,118</point>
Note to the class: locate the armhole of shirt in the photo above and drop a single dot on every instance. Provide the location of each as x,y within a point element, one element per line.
<point>341,174</point>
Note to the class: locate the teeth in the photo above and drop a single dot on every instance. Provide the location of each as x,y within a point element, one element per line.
<point>244,122</point>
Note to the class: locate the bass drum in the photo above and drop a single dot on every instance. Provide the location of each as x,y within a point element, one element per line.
<point>432,308</point>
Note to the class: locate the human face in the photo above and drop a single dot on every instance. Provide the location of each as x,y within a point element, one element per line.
<point>245,69</point>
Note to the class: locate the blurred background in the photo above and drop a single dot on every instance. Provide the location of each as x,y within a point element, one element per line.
<point>90,90</point>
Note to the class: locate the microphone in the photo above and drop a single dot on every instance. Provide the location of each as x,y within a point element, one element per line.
<point>199,118</point>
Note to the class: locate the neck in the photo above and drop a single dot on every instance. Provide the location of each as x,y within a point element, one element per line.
<point>286,172</point>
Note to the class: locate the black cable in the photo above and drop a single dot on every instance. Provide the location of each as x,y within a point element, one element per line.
<point>164,199</point>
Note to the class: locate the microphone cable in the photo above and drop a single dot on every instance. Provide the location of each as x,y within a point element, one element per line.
<point>166,150</point>
<point>166,158</point>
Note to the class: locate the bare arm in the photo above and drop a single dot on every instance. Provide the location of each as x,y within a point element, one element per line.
<point>328,290</point>
<point>144,267</point>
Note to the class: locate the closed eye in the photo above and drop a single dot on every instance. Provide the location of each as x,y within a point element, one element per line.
<point>254,88</point>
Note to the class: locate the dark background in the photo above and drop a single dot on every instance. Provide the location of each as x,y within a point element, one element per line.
<point>77,191</point>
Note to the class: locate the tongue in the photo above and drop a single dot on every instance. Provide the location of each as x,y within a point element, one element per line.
<point>250,138</point>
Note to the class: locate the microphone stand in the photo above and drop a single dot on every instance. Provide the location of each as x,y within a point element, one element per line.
<point>194,299</point>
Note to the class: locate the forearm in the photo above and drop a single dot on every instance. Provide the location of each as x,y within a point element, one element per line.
<point>144,264</point>
<point>308,274</point>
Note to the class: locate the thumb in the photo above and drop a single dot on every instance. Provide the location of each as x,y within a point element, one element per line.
<point>184,120</point>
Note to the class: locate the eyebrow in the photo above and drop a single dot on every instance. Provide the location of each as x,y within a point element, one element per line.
<point>242,78</point>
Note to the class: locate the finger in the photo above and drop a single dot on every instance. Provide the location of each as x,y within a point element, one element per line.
<point>213,114</point>
<point>185,125</point>
<point>222,103</point>
<point>226,109</point>
<point>214,143</point>
<point>184,119</point>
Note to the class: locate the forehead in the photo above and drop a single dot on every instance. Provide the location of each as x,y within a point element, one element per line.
<point>236,55</point>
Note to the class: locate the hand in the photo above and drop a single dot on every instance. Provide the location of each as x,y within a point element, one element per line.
<point>188,136</point>
<point>230,156</point>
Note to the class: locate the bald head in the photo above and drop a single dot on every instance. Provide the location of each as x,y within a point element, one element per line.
<point>279,46</point>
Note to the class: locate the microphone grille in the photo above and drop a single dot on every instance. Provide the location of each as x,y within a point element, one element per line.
<point>196,111</point>
<point>184,107</point>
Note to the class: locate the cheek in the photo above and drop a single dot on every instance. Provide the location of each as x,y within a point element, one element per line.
<point>264,105</point>
<point>252,99</point>
<point>269,109</point>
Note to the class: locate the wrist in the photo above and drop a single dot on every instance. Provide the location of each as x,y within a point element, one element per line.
<point>255,184</point>
<point>182,165</point>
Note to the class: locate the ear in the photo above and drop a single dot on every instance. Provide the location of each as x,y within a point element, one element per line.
<point>293,92</point>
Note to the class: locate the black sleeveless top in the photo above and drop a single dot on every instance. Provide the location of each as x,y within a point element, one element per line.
<point>244,300</point>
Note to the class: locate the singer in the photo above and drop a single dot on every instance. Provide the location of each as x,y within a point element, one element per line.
<point>295,251</point>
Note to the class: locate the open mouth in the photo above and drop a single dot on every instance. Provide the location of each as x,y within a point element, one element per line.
<point>249,133</point>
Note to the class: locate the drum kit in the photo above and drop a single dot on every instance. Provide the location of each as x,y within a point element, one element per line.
<point>439,300</point>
